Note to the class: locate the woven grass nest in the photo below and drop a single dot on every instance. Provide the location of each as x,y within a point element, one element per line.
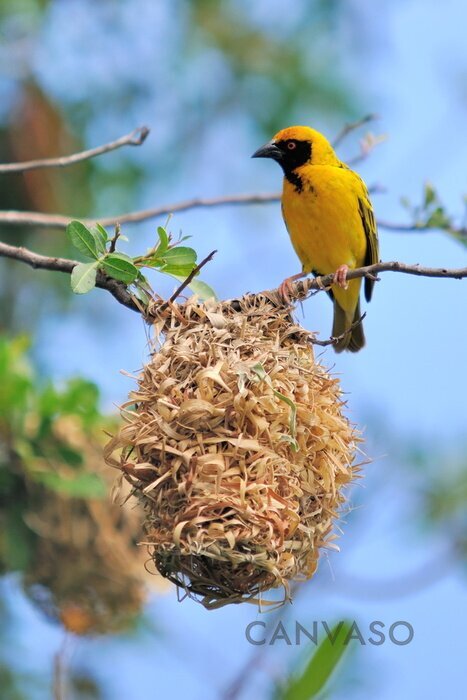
<point>86,570</point>
<point>237,446</point>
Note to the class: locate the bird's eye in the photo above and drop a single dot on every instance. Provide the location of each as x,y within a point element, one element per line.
<point>291,145</point>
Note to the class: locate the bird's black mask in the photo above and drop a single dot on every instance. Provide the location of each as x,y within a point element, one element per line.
<point>290,154</point>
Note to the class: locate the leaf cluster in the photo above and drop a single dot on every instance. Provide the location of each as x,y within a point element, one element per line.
<point>46,436</point>
<point>167,256</point>
<point>431,213</point>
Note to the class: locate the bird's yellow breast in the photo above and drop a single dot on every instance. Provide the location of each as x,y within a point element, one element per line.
<point>323,218</point>
<point>324,223</point>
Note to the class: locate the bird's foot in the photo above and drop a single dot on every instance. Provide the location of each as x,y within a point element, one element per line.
<point>340,276</point>
<point>286,288</point>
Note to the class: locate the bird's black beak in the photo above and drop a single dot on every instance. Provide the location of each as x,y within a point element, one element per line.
<point>269,150</point>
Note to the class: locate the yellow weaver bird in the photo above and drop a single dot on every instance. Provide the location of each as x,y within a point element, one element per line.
<point>329,217</point>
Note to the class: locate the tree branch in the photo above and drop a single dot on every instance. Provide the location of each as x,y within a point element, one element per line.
<point>300,290</point>
<point>134,138</point>
<point>59,221</point>
<point>304,288</point>
<point>42,262</point>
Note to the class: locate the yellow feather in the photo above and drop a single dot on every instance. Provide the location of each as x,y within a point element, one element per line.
<point>330,221</point>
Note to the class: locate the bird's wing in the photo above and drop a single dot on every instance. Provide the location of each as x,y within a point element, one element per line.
<point>371,234</point>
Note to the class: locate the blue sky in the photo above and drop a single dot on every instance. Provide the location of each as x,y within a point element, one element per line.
<point>411,68</point>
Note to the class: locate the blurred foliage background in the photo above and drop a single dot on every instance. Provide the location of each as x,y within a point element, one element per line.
<point>213,79</point>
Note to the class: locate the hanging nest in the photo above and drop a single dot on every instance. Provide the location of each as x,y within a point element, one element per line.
<point>86,570</point>
<point>237,446</point>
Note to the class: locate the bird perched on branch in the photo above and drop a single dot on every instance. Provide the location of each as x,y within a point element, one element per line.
<point>329,217</point>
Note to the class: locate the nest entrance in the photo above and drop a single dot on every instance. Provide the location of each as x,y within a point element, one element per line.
<point>236,444</point>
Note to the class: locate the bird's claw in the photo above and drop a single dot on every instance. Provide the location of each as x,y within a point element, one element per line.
<point>286,288</point>
<point>340,276</point>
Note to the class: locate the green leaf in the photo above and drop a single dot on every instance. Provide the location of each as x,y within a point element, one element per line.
<point>84,240</point>
<point>80,397</point>
<point>438,219</point>
<point>321,665</point>
<point>120,267</point>
<point>142,279</point>
<point>293,413</point>
<point>84,485</point>
<point>291,441</point>
<point>83,277</point>
<point>101,237</point>
<point>163,240</point>
<point>203,290</point>
<point>178,270</point>
<point>180,256</point>
<point>429,195</point>
<point>152,262</point>
<point>261,373</point>
<point>142,295</point>
<point>66,454</point>
<point>16,378</point>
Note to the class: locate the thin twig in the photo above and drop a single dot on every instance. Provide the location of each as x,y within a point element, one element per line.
<point>335,338</point>
<point>114,239</point>
<point>190,277</point>
<point>367,145</point>
<point>299,289</point>
<point>134,138</point>
<point>352,126</point>
<point>59,684</point>
<point>237,685</point>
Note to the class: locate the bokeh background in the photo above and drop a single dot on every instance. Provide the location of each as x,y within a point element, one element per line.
<point>214,79</point>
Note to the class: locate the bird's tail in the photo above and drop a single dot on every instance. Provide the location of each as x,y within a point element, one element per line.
<point>354,340</point>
